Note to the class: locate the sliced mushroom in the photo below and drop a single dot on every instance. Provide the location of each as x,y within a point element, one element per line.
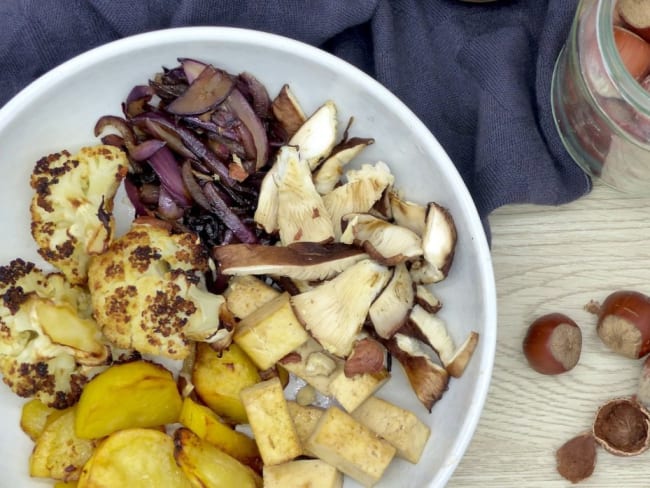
<point>390,310</point>
<point>439,239</point>
<point>301,260</point>
<point>427,300</point>
<point>360,192</point>
<point>432,330</point>
<point>428,380</point>
<point>335,311</point>
<point>287,111</point>
<point>317,136</point>
<point>330,172</point>
<point>266,213</point>
<point>387,243</point>
<point>407,214</point>
<point>302,216</point>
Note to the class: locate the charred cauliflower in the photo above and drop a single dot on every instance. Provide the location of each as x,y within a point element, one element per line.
<point>73,204</point>
<point>49,342</point>
<point>147,292</point>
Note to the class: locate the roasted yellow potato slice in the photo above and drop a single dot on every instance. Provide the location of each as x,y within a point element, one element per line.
<point>34,416</point>
<point>208,426</point>
<point>219,377</point>
<point>58,453</point>
<point>66,484</point>
<point>134,458</point>
<point>129,395</point>
<point>207,466</point>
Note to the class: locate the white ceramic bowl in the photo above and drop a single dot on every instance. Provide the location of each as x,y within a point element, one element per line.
<point>60,109</point>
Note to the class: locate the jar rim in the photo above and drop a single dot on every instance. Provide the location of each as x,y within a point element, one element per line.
<point>630,89</point>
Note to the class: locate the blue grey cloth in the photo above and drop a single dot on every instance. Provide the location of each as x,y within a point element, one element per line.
<point>478,75</point>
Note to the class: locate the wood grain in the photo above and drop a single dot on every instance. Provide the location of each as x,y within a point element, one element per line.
<point>557,259</point>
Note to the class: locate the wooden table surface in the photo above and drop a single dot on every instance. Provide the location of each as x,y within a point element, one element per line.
<point>557,259</point>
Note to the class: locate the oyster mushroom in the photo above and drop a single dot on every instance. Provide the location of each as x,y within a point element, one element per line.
<point>335,311</point>
<point>302,216</point>
<point>317,136</point>
<point>300,261</point>
<point>439,240</point>
<point>428,380</point>
<point>432,330</point>
<point>362,189</point>
<point>407,214</point>
<point>330,171</point>
<point>387,243</point>
<point>390,310</point>
<point>287,111</point>
<point>427,300</point>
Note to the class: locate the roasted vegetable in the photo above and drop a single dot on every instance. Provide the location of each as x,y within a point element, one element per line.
<point>219,377</point>
<point>208,426</point>
<point>129,395</point>
<point>48,339</point>
<point>58,452</point>
<point>72,209</point>
<point>209,467</point>
<point>134,457</point>
<point>148,294</point>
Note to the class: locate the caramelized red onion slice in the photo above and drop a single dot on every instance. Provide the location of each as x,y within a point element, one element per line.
<point>189,140</point>
<point>243,110</point>
<point>193,186</point>
<point>134,197</point>
<point>192,68</point>
<point>146,149</point>
<point>261,101</point>
<point>169,172</point>
<point>172,140</point>
<point>207,91</point>
<point>137,100</point>
<point>227,216</point>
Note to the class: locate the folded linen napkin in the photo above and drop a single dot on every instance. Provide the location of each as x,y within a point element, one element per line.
<point>478,75</point>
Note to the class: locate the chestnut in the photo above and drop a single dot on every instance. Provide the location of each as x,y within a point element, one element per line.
<point>622,427</point>
<point>552,344</point>
<point>624,323</point>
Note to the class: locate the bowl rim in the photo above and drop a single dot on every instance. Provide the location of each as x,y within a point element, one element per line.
<point>173,35</point>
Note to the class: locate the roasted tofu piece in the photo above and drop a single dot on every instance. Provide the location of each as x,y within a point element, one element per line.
<point>270,332</point>
<point>399,427</point>
<point>270,421</point>
<point>303,473</point>
<point>351,447</point>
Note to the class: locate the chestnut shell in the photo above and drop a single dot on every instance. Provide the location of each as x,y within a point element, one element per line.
<point>622,427</point>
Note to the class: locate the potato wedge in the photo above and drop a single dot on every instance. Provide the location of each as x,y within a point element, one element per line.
<point>129,395</point>
<point>207,466</point>
<point>134,458</point>
<point>208,426</point>
<point>218,379</point>
<point>34,417</point>
<point>58,453</point>
<point>66,484</point>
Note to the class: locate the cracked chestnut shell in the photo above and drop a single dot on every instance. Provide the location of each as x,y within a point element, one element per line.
<point>622,427</point>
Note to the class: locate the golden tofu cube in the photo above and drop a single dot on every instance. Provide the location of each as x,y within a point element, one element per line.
<point>305,473</point>
<point>247,293</point>
<point>351,447</point>
<point>270,421</point>
<point>305,418</point>
<point>399,427</point>
<point>352,392</point>
<point>270,332</point>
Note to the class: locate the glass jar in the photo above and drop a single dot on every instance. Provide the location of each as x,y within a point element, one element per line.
<point>601,112</point>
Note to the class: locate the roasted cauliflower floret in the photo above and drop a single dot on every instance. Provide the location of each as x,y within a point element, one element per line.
<point>72,208</point>
<point>148,292</point>
<point>49,343</point>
